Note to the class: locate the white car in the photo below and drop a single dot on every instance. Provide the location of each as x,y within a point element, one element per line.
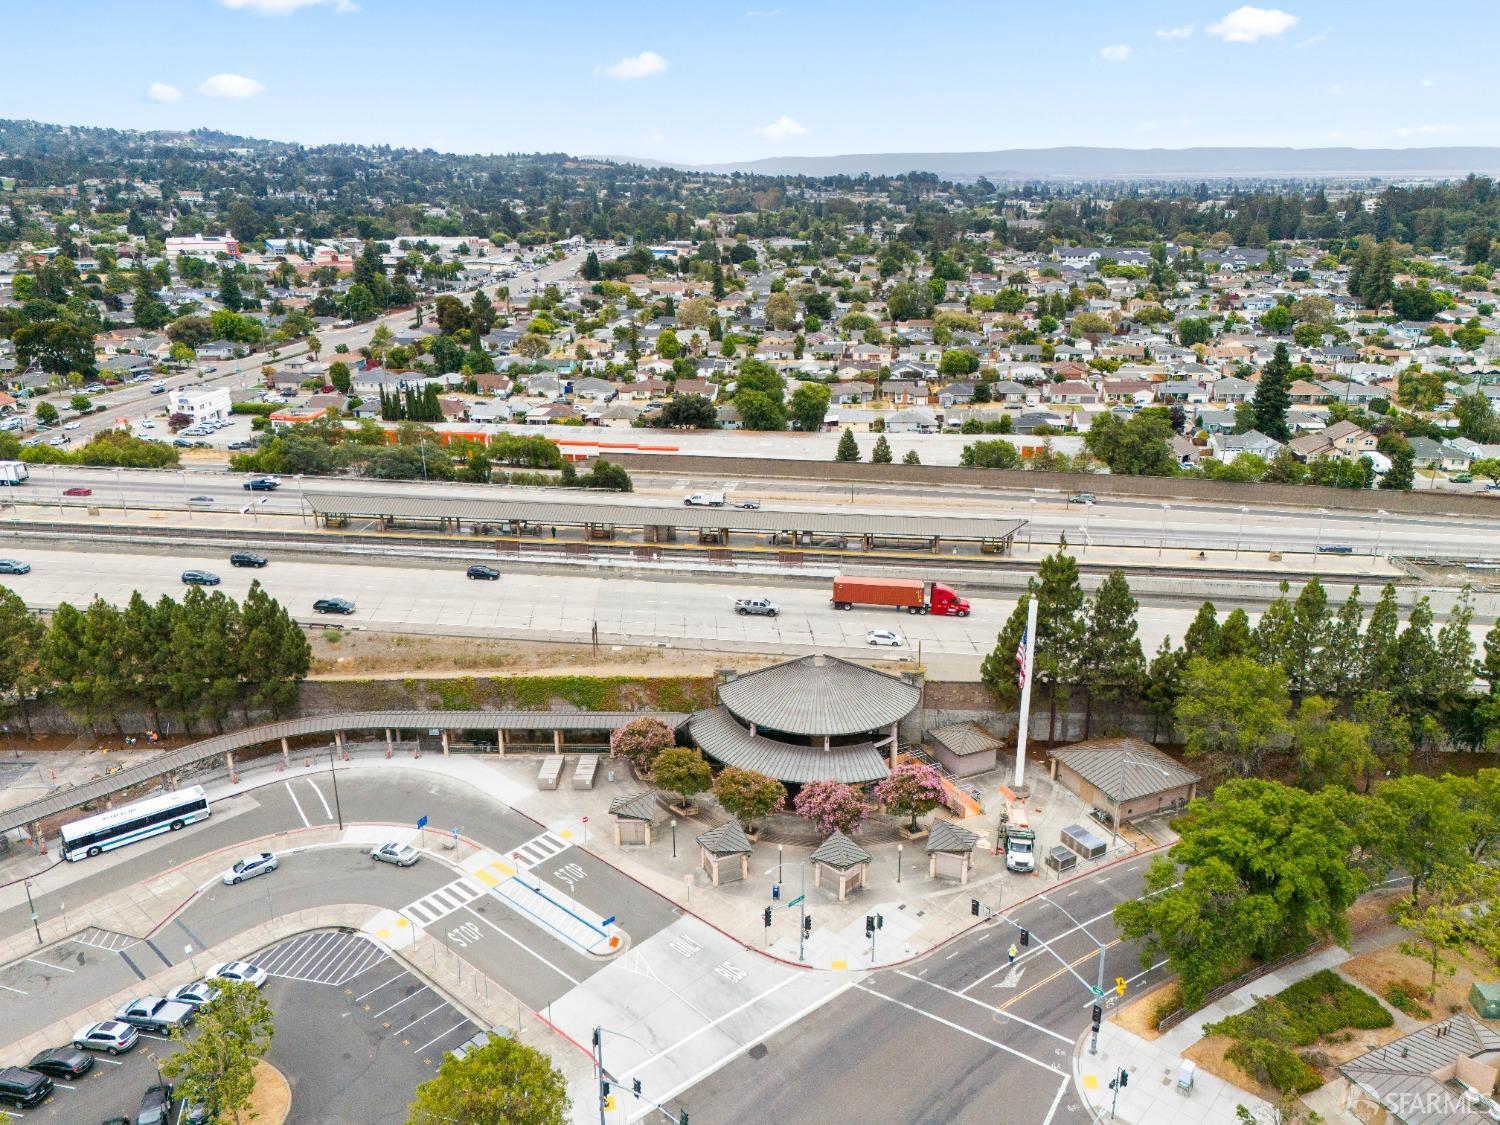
<point>73,426</point>
<point>147,424</point>
<point>238,970</point>
<point>198,993</point>
<point>250,867</point>
<point>883,637</point>
<point>402,855</point>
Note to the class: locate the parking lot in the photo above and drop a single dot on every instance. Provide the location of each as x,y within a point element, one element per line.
<point>355,1035</point>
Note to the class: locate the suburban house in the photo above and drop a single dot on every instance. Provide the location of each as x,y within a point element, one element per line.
<point>1227,447</point>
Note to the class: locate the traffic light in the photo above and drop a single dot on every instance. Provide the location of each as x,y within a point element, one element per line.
<point>1025,936</point>
<point>869,925</point>
<point>682,1118</point>
<point>1098,1016</point>
<point>807,924</point>
<point>974,907</point>
<point>637,1087</point>
<point>880,921</point>
<point>1124,1079</point>
<point>766,917</point>
<point>596,1038</point>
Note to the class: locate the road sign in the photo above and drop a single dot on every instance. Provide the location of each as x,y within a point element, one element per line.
<point>1120,985</point>
<point>422,821</point>
<point>585,820</point>
<point>610,921</point>
<point>1096,991</point>
<point>797,901</point>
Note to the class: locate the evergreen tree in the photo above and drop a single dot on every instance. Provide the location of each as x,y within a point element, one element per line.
<point>848,448</point>
<point>147,649</point>
<point>881,454</point>
<point>1273,396</point>
<point>911,458</point>
<point>1273,632</point>
<point>591,270</point>
<point>1453,666</point>
<point>229,290</point>
<point>1340,669</point>
<point>1489,667</point>
<point>998,670</point>
<point>1403,473</point>
<point>481,314</point>
<point>273,655</point>
<point>1163,684</point>
<point>1236,637</point>
<point>718,282</point>
<point>1416,656</point>
<point>1378,652</point>
<point>1111,663</point>
<point>1307,636</point>
<point>1202,637</point>
<point>21,654</point>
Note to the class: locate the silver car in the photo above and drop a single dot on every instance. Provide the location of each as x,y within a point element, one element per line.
<point>402,855</point>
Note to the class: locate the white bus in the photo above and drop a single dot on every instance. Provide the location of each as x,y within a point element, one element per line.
<point>129,823</point>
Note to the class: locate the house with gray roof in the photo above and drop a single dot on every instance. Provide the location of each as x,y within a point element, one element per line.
<point>1444,1074</point>
<point>1127,776</point>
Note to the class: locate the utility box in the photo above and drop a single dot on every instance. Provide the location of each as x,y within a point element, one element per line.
<point>1084,843</point>
<point>1485,1000</point>
<point>1060,859</point>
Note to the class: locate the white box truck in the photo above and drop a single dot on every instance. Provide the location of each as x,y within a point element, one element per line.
<point>14,472</point>
<point>1020,841</point>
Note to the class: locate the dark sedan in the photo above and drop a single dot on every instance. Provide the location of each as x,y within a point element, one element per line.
<point>247,558</point>
<point>200,578</point>
<point>486,572</point>
<point>62,1062</point>
<point>333,605</point>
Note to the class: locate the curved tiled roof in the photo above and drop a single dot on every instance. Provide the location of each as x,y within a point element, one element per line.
<point>724,740</point>
<point>817,695</point>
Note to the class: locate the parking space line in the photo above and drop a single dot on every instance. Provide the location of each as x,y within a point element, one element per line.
<point>305,822</point>
<point>399,1002</point>
<point>48,964</point>
<point>279,955</point>
<point>308,955</point>
<point>327,811</point>
<point>378,987</point>
<point>377,958</point>
<point>353,953</point>
<point>157,1038</point>
<point>112,1062</point>
<point>435,1038</point>
<point>961,1028</point>
<point>58,1085</point>
<point>481,918</point>
<point>422,1017</point>
<point>328,957</point>
<point>17,991</point>
<point>311,966</point>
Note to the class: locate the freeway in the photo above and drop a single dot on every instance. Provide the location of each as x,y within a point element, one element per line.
<point>1109,522</point>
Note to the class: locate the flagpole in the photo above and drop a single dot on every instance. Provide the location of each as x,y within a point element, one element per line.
<point>1022,726</point>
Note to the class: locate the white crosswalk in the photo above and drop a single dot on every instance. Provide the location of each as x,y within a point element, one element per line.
<point>537,850</point>
<point>105,939</point>
<point>443,901</point>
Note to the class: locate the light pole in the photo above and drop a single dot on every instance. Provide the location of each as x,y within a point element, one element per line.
<point>120,484</point>
<point>1318,542</point>
<point>674,837</point>
<point>334,777</point>
<point>779,859</point>
<point>1099,984</point>
<point>1379,527</point>
<point>1162,542</point>
<point>898,863</point>
<point>1031,523</point>
<point>1240,536</point>
<point>31,908</point>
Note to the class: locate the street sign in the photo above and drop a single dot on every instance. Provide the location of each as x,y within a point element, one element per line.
<point>1096,991</point>
<point>422,821</point>
<point>1120,985</point>
<point>585,820</point>
<point>796,901</point>
<point>610,921</point>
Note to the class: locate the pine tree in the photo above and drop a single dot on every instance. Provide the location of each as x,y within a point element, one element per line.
<point>1059,627</point>
<point>911,458</point>
<point>998,670</point>
<point>147,648</point>
<point>21,654</point>
<point>1236,637</point>
<point>1416,655</point>
<point>1489,667</point>
<point>1202,637</point>
<point>1306,637</point>
<point>1453,668</point>
<point>1273,396</point>
<point>881,454</point>
<point>273,653</point>
<point>848,448</point>
<point>1378,652</point>
<point>1111,663</point>
<point>591,270</point>
<point>229,290</point>
<point>1274,630</point>
<point>1340,670</point>
<point>1163,684</point>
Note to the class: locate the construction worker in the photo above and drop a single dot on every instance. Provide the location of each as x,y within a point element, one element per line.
<point>1011,952</point>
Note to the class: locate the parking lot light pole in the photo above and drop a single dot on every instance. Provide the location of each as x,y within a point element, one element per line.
<point>674,837</point>
<point>31,909</point>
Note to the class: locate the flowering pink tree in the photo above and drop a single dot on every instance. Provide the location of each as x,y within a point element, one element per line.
<point>641,740</point>
<point>831,805</point>
<point>912,788</point>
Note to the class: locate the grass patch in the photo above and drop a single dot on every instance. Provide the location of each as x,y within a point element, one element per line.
<point>1403,996</point>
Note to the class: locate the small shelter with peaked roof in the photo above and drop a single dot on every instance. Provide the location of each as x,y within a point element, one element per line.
<point>1128,777</point>
<point>950,851</point>
<point>635,814</point>
<point>724,853</point>
<point>964,749</point>
<point>845,861</point>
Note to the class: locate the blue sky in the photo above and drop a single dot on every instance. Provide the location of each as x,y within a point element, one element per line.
<point>718,81</point>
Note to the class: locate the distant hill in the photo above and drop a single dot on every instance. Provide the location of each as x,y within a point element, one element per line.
<point>1079,162</point>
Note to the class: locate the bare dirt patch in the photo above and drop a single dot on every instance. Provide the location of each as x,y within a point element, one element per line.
<point>1209,1054</point>
<point>1140,1015</point>
<point>271,1101</point>
<point>1381,968</point>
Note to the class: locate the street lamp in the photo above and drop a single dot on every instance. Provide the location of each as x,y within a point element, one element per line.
<point>1318,542</point>
<point>1240,536</point>
<point>1030,524</point>
<point>119,483</point>
<point>1162,542</point>
<point>31,909</point>
<point>674,837</point>
<point>779,859</point>
<point>1379,527</point>
<point>334,777</point>
<point>898,863</point>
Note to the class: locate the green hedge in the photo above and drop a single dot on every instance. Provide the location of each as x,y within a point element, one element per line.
<point>1314,1007</point>
<point>1275,1066</point>
<point>587,693</point>
<point>264,409</point>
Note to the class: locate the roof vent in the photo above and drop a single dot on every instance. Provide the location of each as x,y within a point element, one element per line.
<point>820,660</point>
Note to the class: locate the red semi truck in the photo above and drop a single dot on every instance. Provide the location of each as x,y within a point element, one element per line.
<point>910,594</point>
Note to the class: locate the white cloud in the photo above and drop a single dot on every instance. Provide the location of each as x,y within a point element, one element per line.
<point>161,92</point>
<point>643,65</point>
<point>229,86</point>
<point>1313,40</point>
<point>782,128</point>
<point>1248,24</point>
<point>1425,130</point>
<point>286,7</point>
<point>1175,32</point>
<point>1118,53</point>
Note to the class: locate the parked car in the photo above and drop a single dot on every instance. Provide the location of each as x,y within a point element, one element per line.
<point>333,605</point>
<point>479,570</point>
<point>238,971</point>
<point>112,1036</point>
<point>883,637</point>
<point>197,993</point>
<point>155,1013</point>
<point>14,566</point>
<point>200,578</point>
<point>247,558</point>
<point>24,1088</point>
<point>156,1105</point>
<point>250,867</point>
<point>147,424</point>
<point>402,855</point>
<point>756,607</point>
<point>62,1062</point>
<point>242,445</point>
<point>78,490</point>
<point>79,426</point>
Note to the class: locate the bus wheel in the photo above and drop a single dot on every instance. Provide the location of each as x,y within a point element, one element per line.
<point>176,824</point>
<point>93,851</point>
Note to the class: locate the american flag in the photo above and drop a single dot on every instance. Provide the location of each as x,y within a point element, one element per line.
<point>1021,661</point>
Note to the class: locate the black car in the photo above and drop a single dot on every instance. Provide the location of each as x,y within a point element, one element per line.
<point>22,1087</point>
<point>262,484</point>
<point>200,578</point>
<point>156,1106</point>
<point>241,445</point>
<point>333,605</point>
<point>480,571</point>
<point>62,1062</point>
<point>247,558</point>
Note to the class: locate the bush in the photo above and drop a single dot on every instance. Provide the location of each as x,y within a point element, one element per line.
<point>261,408</point>
<point>682,770</point>
<point>1402,995</point>
<point>1276,1066</point>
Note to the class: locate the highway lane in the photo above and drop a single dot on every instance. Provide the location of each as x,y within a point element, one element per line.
<point>1110,522</point>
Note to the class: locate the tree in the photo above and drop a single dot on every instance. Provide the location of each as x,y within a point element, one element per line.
<point>503,1081</point>
<point>216,1066</point>
<point>911,458</point>
<point>781,311</point>
<point>338,375</point>
<point>1272,397</point>
<point>956,362</point>
<point>1415,823</point>
<point>881,454</point>
<point>809,406</point>
<point>689,412</point>
<point>1235,709</point>
<point>1331,751</point>
<point>682,770</point>
<point>1194,330</point>
<point>748,796</point>
<point>1402,473</point>
<point>1306,636</point>
<point>848,449</point>
<point>997,454</point>
<point>273,653</point>
<point>58,347</point>
<point>1163,686</point>
<point>640,741</point>
<point>831,806</point>
<point>1414,302</point>
<point>47,414</point>
<point>759,411</point>
<point>591,270</point>
<point>229,289</point>
<point>1140,446</point>
<point>21,655</point>
<point>1462,907</point>
<point>1111,663</point>
<point>482,314</point>
<point>1059,639</point>
<point>1378,650</point>
<point>911,789</point>
<point>1202,636</point>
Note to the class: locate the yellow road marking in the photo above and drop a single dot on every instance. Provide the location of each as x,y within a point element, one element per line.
<point>1058,973</point>
<point>486,878</point>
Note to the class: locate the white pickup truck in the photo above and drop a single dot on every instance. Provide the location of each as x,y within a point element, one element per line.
<point>758,607</point>
<point>704,500</point>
